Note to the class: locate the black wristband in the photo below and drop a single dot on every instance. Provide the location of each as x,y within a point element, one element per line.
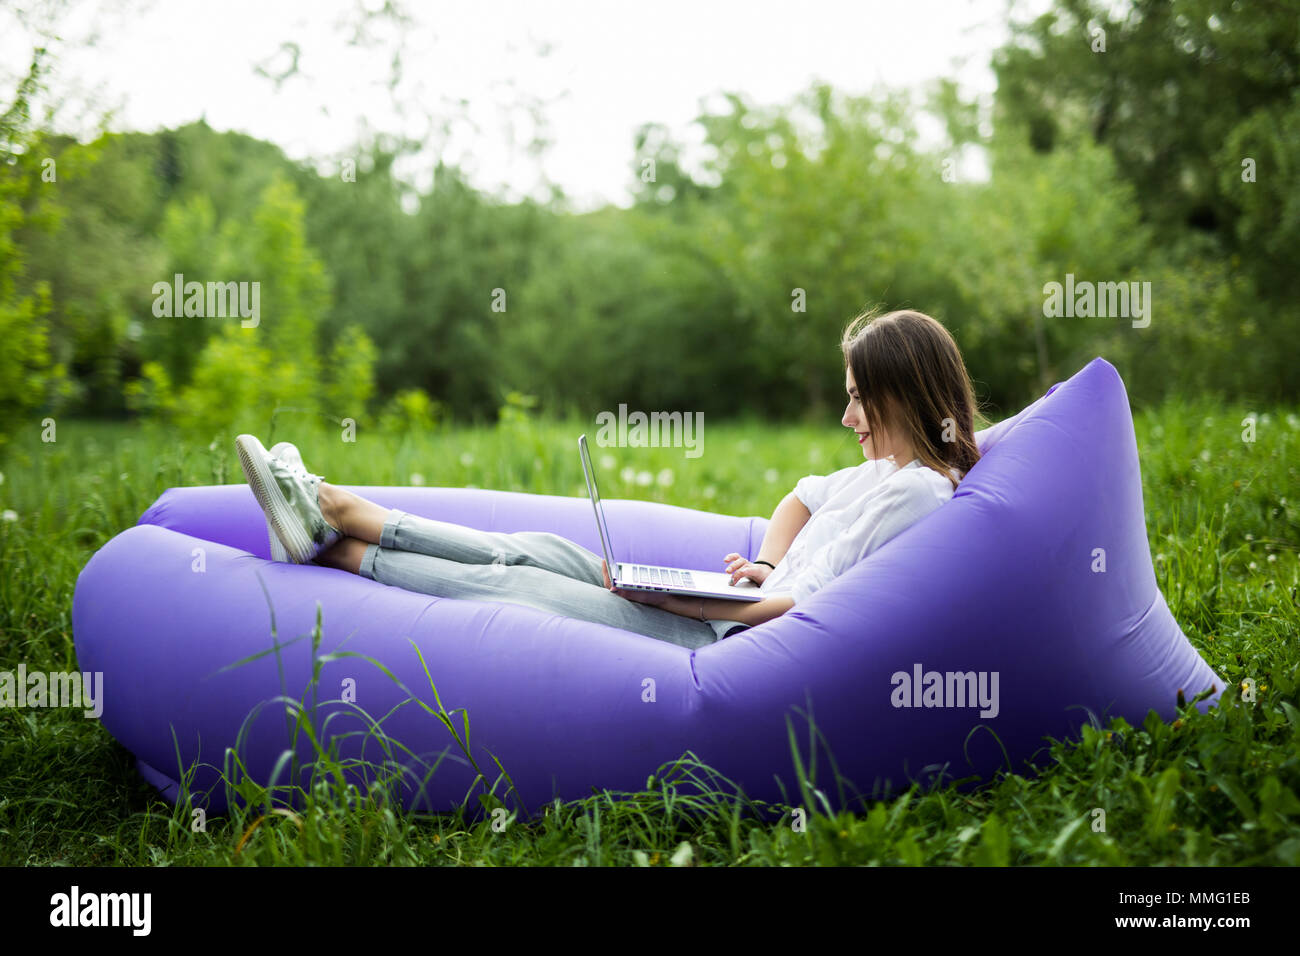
<point>768,563</point>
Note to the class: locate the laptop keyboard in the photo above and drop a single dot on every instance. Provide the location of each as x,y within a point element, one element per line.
<point>663,577</point>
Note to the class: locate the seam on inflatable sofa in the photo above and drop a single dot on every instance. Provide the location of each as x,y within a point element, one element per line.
<point>695,679</point>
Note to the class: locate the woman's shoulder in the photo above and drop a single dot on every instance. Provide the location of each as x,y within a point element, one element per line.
<point>921,475</point>
<point>853,474</point>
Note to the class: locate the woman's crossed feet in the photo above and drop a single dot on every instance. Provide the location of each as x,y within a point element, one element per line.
<point>288,496</point>
<point>306,517</point>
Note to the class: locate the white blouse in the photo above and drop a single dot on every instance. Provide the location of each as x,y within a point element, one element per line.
<point>854,511</point>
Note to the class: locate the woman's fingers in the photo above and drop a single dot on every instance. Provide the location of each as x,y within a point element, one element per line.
<point>739,567</point>
<point>755,572</point>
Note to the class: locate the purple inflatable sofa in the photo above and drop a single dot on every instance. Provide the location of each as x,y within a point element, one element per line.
<point>1022,608</point>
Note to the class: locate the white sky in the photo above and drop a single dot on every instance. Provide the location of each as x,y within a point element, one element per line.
<point>611,66</point>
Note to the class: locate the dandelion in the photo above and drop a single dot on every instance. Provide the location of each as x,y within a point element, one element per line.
<point>466,459</point>
<point>1281,501</point>
<point>212,446</point>
<point>9,515</point>
<point>1205,454</point>
<point>1251,565</point>
<point>416,478</point>
<point>1272,558</point>
<point>1292,421</point>
<point>607,462</point>
<point>1249,536</point>
<point>665,477</point>
<point>771,475</point>
<point>710,491</point>
<point>644,478</point>
<point>628,474</point>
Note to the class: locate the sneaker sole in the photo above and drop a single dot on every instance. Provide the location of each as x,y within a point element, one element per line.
<point>299,547</point>
<point>277,549</point>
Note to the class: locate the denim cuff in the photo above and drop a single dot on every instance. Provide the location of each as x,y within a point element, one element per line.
<point>388,535</point>
<point>367,569</point>
<point>386,538</point>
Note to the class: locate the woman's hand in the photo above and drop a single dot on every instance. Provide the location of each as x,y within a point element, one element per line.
<point>653,598</point>
<point>740,568</point>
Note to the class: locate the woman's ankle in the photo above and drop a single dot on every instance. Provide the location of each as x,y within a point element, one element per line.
<point>354,516</point>
<point>346,554</point>
<point>333,505</point>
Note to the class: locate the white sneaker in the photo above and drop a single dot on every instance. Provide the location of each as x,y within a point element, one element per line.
<point>287,493</point>
<point>288,453</point>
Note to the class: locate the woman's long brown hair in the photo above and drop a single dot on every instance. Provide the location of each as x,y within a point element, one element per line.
<point>907,367</point>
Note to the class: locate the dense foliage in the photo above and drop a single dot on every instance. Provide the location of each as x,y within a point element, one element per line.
<point>1155,145</point>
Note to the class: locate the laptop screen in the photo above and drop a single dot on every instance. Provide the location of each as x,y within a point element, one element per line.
<point>590,475</point>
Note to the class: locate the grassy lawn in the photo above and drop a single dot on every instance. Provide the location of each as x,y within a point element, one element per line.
<point>1223,518</point>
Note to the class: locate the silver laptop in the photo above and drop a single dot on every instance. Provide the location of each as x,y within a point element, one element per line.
<point>649,577</point>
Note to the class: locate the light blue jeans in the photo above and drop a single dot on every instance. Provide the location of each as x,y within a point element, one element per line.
<point>533,568</point>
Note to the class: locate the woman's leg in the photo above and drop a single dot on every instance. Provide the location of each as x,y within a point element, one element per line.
<point>358,518</point>
<point>530,586</point>
<point>533,568</point>
<point>353,515</point>
<point>345,554</point>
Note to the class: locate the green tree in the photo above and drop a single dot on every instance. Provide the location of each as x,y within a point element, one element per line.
<point>246,371</point>
<point>27,380</point>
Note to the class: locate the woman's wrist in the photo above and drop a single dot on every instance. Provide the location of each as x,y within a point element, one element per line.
<point>682,606</point>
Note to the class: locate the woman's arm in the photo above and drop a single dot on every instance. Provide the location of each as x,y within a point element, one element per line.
<point>751,613</point>
<point>787,520</point>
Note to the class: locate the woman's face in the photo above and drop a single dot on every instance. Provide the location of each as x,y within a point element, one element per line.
<point>873,446</point>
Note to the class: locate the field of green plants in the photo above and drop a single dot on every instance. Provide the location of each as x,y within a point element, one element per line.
<point>1217,788</point>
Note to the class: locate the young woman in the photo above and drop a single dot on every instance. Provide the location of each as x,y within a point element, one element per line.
<point>910,406</point>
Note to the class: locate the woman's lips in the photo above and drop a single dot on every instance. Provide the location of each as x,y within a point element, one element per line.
<point>862,438</point>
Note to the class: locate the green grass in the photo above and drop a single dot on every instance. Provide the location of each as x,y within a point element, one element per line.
<point>1216,788</point>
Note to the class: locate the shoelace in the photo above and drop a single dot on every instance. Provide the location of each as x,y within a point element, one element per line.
<point>298,470</point>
